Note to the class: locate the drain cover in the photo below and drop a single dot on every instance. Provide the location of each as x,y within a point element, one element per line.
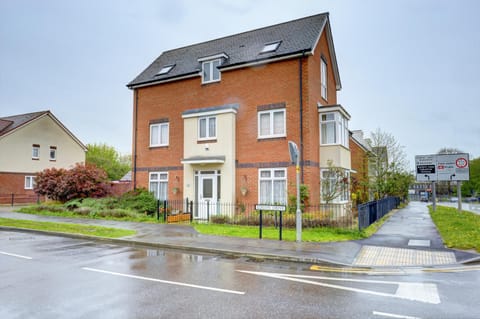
<point>419,242</point>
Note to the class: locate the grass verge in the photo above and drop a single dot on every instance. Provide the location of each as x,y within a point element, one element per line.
<point>89,230</point>
<point>458,230</point>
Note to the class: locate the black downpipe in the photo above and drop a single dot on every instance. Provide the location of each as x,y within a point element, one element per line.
<point>300,74</point>
<point>134,175</point>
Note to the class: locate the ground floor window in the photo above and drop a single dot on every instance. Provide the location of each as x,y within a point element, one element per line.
<point>335,185</point>
<point>158,185</point>
<point>272,186</point>
<point>29,182</point>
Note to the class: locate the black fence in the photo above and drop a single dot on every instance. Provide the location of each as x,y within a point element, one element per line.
<point>323,215</point>
<point>19,199</point>
<point>370,212</point>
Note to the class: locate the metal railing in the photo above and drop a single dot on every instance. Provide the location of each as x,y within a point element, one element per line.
<point>370,212</point>
<point>19,199</point>
<point>323,215</point>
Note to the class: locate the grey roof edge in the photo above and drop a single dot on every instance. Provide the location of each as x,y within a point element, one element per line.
<point>226,107</point>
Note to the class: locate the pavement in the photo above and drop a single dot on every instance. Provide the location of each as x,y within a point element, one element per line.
<point>408,238</point>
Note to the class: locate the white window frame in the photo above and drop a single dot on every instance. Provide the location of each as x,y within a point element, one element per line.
<point>159,137</point>
<point>270,47</point>
<point>344,195</point>
<point>155,181</point>
<point>207,120</point>
<point>271,133</point>
<point>165,69</point>
<point>323,79</point>
<point>29,182</point>
<point>35,152</point>
<point>340,129</point>
<point>272,179</point>
<point>53,150</point>
<point>211,71</point>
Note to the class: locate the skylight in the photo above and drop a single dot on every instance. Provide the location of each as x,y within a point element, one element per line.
<point>165,69</point>
<point>270,47</point>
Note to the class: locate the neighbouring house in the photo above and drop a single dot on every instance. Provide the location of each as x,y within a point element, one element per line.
<point>361,155</point>
<point>30,143</point>
<point>212,120</point>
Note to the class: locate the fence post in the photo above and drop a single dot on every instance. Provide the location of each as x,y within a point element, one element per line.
<point>280,232</point>
<point>260,225</point>
<point>13,198</point>
<point>191,211</point>
<point>208,211</point>
<point>165,211</point>
<point>158,209</point>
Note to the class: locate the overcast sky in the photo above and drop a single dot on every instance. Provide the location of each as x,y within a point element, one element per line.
<point>410,68</point>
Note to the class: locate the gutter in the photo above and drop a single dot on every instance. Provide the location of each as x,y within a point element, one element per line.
<point>134,170</point>
<point>300,80</point>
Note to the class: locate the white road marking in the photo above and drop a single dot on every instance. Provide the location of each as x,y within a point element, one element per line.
<point>165,281</point>
<point>14,255</point>
<point>423,292</point>
<point>392,315</point>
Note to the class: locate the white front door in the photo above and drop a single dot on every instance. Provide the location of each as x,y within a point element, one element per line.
<point>207,196</point>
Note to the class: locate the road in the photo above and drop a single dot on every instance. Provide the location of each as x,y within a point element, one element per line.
<point>54,277</point>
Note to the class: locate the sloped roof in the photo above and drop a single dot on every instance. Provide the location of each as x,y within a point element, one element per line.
<point>296,37</point>
<point>10,123</point>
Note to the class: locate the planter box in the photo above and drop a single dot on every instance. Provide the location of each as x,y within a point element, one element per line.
<point>178,218</point>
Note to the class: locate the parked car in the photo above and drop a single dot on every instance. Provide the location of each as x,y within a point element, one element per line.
<point>453,199</point>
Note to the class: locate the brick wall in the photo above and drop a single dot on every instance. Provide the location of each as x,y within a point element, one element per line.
<point>359,159</point>
<point>249,87</point>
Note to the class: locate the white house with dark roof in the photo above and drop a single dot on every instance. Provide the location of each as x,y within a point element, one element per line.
<point>30,143</point>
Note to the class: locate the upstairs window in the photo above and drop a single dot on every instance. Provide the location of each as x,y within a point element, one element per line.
<point>333,129</point>
<point>207,128</point>
<point>159,134</point>
<point>271,123</point>
<point>210,72</point>
<point>35,151</point>
<point>323,78</point>
<point>53,153</point>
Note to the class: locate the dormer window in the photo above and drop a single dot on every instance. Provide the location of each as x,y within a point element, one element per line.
<point>271,47</point>
<point>210,72</point>
<point>165,69</point>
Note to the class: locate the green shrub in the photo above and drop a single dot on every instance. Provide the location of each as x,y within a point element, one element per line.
<point>140,200</point>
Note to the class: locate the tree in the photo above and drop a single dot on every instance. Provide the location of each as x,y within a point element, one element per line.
<point>107,158</point>
<point>81,181</point>
<point>334,182</point>
<point>472,187</point>
<point>387,163</point>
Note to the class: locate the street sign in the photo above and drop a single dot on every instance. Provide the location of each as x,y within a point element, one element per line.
<point>453,167</point>
<point>270,207</point>
<point>442,167</point>
<point>426,165</point>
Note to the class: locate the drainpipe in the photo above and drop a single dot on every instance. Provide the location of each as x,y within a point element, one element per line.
<point>134,175</point>
<point>300,75</point>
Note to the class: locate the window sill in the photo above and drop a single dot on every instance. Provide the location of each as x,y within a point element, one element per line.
<point>159,146</point>
<point>207,141</point>
<point>274,138</point>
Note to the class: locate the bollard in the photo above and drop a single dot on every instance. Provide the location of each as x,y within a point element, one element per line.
<point>280,231</point>
<point>158,209</point>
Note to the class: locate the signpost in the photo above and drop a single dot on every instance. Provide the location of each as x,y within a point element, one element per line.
<point>295,158</point>
<point>443,167</point>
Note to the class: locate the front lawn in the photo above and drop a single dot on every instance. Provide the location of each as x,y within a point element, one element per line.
<point>458,230</point>
<point>89,230</point>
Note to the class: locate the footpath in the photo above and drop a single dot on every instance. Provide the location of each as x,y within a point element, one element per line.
<point>407,239</point>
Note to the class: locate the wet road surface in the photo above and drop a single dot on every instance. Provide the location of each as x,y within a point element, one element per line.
<point>54,277</point>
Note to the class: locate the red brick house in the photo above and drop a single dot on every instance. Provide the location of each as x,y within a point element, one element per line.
<point>212,121</point>
<point>361,155</point>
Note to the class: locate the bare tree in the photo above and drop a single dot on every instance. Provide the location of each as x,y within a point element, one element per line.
<point>334,182</point>
<point>388,159</point>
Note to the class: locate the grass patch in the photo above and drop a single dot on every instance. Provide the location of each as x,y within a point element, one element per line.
<point>458,230</point>
<point>321,234</point>
<point>89,230</point>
